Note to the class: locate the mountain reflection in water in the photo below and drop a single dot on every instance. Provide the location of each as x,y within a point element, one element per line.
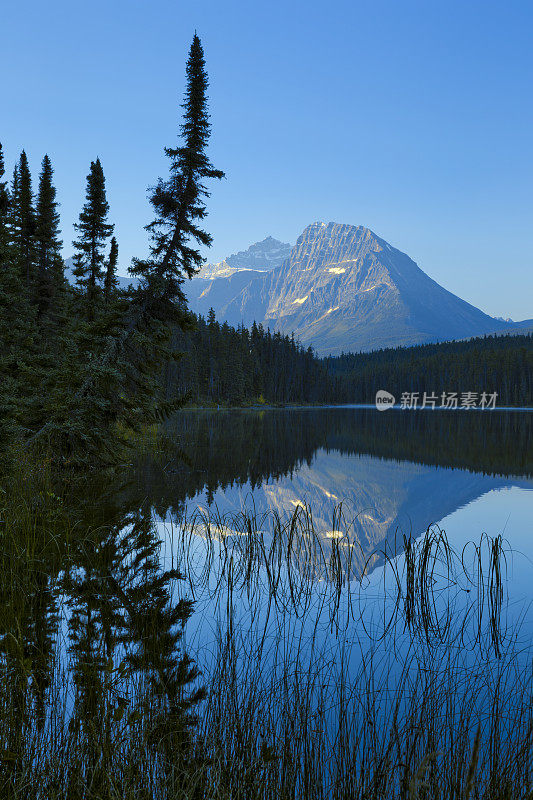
<point>392,474</point>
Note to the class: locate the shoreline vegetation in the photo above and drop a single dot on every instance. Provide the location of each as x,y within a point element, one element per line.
<point>235,366</point>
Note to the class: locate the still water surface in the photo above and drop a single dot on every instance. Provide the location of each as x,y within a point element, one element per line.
<point>367,481</point>
<point>295,531</point>
<point>393,474</point>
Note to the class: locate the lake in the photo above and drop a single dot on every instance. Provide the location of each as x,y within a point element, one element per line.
<point>393,474</point>
<point>387,476</point>
<point>293,547</point>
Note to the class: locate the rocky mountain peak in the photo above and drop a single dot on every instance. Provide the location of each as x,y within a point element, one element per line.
<point>261,256</point>
<point>333,235</point>
<point>264,255</point>
<point>342,288</point>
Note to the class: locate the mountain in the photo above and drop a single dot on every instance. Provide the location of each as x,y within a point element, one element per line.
<point>343,289</point>
<point>526,326</point>
<point>262,256</point>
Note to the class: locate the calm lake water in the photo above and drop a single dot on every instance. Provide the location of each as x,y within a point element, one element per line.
<point>329,607</point>
<point>366,480</point>
<point>394,473</point>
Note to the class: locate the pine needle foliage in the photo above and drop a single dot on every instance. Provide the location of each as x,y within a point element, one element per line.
<point>111,281</point>
<point>179,201</point>
<point>23,221</point>
<point>47,241</point>
<point>93,232</point>
<point>4,213</point>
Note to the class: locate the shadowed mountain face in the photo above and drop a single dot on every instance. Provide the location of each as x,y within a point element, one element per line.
<point>343,289</point>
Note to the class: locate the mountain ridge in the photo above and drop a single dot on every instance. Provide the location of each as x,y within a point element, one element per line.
<point>261,256</point>
<point>345,289</point>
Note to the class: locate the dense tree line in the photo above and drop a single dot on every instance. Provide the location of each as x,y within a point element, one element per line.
<point>222,364</point>
<point>226,365</point>
<point>502,364</point>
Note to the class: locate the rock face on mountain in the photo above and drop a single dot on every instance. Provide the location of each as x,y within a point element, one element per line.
<point>343,289</point>
<point>262,256</point>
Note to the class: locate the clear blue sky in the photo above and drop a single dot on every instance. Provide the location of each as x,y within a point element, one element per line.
<point>412,118</point>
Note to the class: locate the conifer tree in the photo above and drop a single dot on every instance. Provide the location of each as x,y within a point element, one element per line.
<point>19,356</point>
<point>54,313</point>
<point>23,221</point>
<point>4,213</point>
<point>93,231</point>
<point>144,345</point>
<point>13,199</point>
<point>179,201</point>
<point>111,282</point>
<point>48,244</point>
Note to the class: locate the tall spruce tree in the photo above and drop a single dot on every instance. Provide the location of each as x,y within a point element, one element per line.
<point>179,201</point>
<point>110,281</point>
<point>4,213</point>
<point>48,244</point>
<point>145,343</point>
<point>19,355</point>
<point>55,316</point>
<point>14,194</point>
<point>179,205</point>
<point>93,231</point>
<point>23,221</point>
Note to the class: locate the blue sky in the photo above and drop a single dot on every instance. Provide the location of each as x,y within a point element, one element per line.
<point>412,118</point>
